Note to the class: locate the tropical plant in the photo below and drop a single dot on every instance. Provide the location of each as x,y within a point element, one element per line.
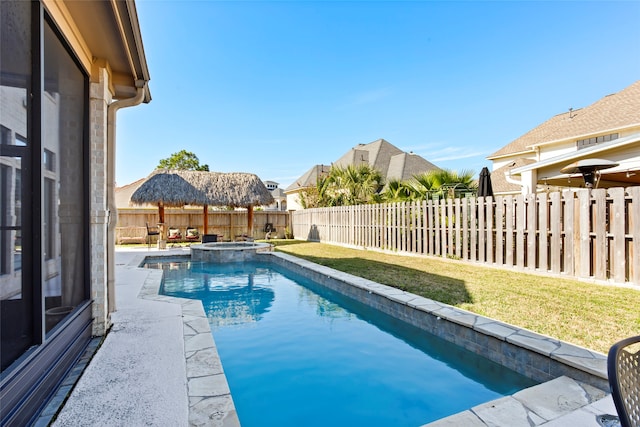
<point>350,185</point>
<point>182,160</point>
<point>310,198</point>
<point>443,183</point>
<point>397,190</point>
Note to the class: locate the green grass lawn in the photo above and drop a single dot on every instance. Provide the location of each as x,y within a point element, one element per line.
<point>590,315</point>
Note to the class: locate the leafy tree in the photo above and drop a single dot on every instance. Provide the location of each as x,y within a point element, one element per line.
<point>182,160</point>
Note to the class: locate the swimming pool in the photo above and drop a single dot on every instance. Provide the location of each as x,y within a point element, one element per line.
<point>296,353</point>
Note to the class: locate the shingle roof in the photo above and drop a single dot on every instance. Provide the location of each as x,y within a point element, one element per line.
<point>385,157</point>
<point>499,180</point>
<point>123,194</point>
<point>377,154</point>
<point>610,113</point>
<point>309,179</point>
<point>404,166</point>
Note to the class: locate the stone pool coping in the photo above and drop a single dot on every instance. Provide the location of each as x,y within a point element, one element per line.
<point>561,367</point>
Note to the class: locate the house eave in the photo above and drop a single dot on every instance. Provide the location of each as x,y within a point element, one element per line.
<point>574,138</point>
<point>509,155</point>
<point>578,154</point>
<point>108,31</point>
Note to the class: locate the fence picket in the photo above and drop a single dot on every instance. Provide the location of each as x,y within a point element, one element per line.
<point>633,256</point>
<point>482,230</point>
<point>618,261</point>
<point>584,260</point>
<point>555,244</point>
<point>457,236</point>
<point>531,233</point>
<point>520,224</point>
<point>600,223</point>
<point>465,229</point>
<point>499,215</point>
<point>543,230</point>
<point>490,217</point>
<point>510,221</point>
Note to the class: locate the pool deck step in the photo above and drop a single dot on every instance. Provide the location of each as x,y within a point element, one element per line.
<point>559,402</point>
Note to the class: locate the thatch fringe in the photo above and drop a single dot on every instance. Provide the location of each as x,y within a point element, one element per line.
<point>175,188</point>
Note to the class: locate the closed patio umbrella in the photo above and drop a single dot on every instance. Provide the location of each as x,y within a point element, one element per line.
<point>484,183</point>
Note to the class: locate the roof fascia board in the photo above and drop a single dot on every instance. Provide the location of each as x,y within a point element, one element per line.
<point>130,34</point>
<point>137,38</point>
<point>126,19</point>
<point>616,143</point>
<point>514,154</point>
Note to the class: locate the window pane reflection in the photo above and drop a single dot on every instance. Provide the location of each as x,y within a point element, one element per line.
<point>64,205</point>
<point>16,287</point>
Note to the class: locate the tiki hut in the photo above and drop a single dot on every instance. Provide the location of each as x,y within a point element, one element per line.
<point>176,188</point>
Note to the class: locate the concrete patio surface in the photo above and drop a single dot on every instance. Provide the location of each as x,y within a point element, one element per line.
<point>159,366</point>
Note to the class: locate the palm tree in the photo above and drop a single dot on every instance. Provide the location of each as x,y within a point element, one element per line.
<point>350,185</point>
<point>398,191</point>
<point>443,183</point>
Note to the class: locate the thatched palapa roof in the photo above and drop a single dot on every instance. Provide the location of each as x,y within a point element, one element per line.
<point>175,188</point>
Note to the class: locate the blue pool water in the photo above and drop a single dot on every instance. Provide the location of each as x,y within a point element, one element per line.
<point>298,354</point>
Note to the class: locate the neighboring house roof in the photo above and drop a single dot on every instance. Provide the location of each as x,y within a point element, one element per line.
<point>616,111</point>
<point>404,166</point>
<point>123,194</point>
<point>377,154</point>
<point>278,193</point>
<point>499,181</point>
<point>309,179</point>
<point>392,162</point>
<point>389,160</point>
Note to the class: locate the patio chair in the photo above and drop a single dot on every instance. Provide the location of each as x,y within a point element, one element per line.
<point>623,366</point>
<point>193,235</point>
<point>174,236</point>
<point>151,232</point>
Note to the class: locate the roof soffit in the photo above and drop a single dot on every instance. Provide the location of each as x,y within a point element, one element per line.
<point>106,30</point>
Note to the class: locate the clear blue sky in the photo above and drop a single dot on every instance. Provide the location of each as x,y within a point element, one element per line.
<point>273,88</point>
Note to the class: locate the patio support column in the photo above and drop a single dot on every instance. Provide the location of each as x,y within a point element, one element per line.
<point>205,219</point>
<point>99,99</point>
<point>250,220</point>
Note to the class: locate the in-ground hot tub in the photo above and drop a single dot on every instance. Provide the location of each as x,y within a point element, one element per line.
<point>228,251</point>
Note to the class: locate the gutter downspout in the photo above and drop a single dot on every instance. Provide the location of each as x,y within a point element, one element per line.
<point>523,188</point>
<point>112,212</point>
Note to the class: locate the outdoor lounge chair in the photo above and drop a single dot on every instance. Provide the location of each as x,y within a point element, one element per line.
<point>151,232</point>
<point>623,366</point>
<point>193,235</point>
<point>174,236</point>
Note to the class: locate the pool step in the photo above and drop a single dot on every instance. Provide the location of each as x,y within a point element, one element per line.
<point>559,402</point>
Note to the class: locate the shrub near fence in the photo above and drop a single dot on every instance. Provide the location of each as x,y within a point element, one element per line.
<point>591,234</point>
<point>131,227</point>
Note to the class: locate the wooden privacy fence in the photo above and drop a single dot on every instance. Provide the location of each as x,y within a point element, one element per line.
<point>131,225</point>
<point>579,233</point>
